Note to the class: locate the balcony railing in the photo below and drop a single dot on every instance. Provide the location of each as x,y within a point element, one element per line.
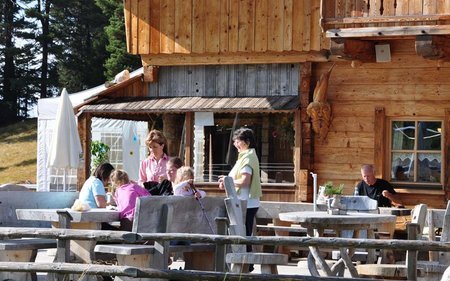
<point>383,13</point>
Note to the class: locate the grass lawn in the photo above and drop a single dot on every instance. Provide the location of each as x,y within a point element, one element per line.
<point>18,150</point>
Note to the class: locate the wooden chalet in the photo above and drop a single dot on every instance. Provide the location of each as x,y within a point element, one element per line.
<point>256,63</point>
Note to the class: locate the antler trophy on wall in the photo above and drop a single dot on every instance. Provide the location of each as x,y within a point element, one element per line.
<point>319,110</point>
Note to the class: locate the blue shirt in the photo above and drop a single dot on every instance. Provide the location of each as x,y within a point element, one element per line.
<point>91,188</point>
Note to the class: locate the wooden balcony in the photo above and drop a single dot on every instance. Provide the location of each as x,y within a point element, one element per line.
<point>384,18</point>
<point>356,26</point>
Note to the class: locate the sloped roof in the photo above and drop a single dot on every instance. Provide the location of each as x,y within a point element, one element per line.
<point>193,104</point>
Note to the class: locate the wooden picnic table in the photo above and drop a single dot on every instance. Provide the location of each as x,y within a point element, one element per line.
<point>67,218</point>
<point>317,222</point>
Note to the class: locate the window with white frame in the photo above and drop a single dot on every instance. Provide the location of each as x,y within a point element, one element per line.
<point>114,141</point>
<point>416,151</point>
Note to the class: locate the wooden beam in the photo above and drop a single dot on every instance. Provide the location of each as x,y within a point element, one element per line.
<point>381,32</point>
<point>303,138</point>
<point>433,47</point>
<point>380,143</point>
<point>353,49</point>
<point>84,130</point>
<point>446,136</point>
<point>384,19</point>
<point>235,58</point>
<point>189,138</point>
<point>297,153</point>
<point>151,73</point>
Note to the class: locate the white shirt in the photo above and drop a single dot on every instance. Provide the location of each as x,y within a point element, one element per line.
<point>244,191</point>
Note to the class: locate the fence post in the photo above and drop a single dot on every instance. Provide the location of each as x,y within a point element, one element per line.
<point>63,245</point>
<point>221,227</point>
<point>411,256</point>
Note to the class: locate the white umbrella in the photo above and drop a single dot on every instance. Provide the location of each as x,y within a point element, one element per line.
<point>65,149</point>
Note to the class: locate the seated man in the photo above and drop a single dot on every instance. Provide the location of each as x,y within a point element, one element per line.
<point>377,189</point>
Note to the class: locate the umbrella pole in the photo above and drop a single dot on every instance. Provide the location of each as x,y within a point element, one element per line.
<point>64,180</point>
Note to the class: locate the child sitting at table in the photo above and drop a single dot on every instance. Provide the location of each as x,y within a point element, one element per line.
<point>125,196</point>
<point>184,183</point>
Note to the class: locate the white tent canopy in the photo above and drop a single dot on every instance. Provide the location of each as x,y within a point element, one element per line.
<point>127,146</point>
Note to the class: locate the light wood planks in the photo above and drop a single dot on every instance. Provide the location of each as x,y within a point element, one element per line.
<point>198,26</point>
<point>222,26</point>
<point>261,22</point>
<point>183,29</point>
<point>154,27</point>
<point>167,26</point>
<point>407,87</point>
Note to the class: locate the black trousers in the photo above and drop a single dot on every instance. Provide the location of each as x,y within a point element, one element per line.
<point>249,219</point>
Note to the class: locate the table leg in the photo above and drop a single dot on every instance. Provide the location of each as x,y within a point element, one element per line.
<point>371,255</point>
<point>315,257</point>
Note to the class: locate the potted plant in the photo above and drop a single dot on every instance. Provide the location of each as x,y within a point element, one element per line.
<point>331,190</point>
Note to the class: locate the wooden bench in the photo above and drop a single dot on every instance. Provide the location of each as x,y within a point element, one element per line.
<point>398,271</point>
<point>170,214</point>
<point>240,259</point>
<point>25,250</point>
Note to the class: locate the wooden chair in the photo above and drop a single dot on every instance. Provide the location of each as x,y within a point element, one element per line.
<point>25,250</point>
<point>397,271</point>
<point>239,258</point>
<point>434,269</point>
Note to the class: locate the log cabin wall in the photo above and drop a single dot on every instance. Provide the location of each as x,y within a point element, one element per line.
<point>408,86</point>
<point>228,31</point>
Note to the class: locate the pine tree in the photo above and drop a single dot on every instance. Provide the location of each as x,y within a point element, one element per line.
<point>118,59</point>
<point>38,14</point>
<point>16,59</point>
<point>78,27</point>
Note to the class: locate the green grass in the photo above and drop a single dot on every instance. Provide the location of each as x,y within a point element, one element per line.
<point>18,150</point>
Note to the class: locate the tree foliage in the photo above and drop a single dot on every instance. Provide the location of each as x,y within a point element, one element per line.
<point>46,45</point>
<point>78,30</point>
<point>118,59</point>
<point>16,59</point>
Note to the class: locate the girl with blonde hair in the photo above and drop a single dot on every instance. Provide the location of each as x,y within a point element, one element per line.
<point>125,196</point>
<point>184,183</point>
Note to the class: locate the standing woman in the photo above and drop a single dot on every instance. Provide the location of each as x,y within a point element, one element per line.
<point>93,190</point>
<point>246,175</point>
<point>153,168</point>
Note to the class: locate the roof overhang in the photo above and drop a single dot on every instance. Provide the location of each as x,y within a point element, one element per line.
<point>139,106</point>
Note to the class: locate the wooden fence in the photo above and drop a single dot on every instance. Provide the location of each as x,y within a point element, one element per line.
<point>221,241</point>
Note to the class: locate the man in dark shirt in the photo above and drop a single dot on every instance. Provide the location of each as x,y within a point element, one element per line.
<point>377,189</point>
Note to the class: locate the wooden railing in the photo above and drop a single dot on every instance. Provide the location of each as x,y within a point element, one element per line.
<point>363,13</point>
<point>220,240</point>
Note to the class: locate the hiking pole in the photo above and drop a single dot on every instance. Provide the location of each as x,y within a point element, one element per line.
<point>202,207</point>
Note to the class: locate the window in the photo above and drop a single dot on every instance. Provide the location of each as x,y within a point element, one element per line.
<point>416,151</point>
<point>114,141</point>
<point>274,135</point>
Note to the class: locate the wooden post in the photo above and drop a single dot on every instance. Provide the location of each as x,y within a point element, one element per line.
<point>171,132</point>
<point>161,256</point>
<point>446,137</point>
<point>84,130</point>
<point>411,256</point>
<point>380,144</point>
<point>221,229</point>
<point>63,245</point>
<point>189,123</point>
<point>303,149</point>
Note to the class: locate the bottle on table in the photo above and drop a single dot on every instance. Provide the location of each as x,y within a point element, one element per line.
<point>356,192</point>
